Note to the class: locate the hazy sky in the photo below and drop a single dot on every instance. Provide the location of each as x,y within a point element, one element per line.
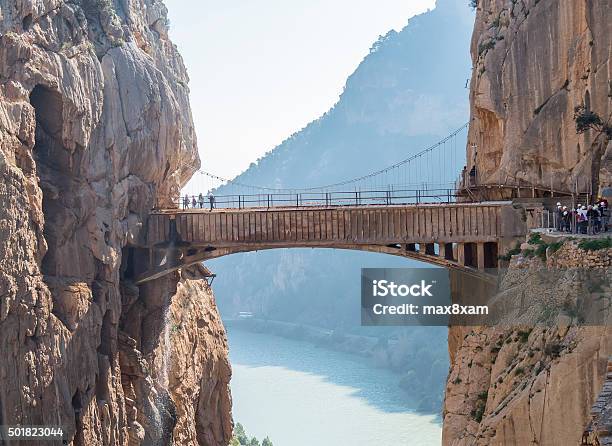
<point>262,69</point>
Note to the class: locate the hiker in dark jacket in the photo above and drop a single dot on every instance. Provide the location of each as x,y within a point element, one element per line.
<point>591,215</point>
<point>566,220</point>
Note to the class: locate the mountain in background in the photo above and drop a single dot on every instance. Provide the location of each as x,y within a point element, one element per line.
<point>407,93</point>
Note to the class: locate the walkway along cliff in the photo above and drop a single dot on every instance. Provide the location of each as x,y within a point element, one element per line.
<point>95,130</point>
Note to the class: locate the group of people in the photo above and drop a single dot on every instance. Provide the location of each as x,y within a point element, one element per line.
<point>199,202</point>
<point>589,219</point>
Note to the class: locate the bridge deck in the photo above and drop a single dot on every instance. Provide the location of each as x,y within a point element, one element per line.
<point>334,226</point>
<point>468,235</point>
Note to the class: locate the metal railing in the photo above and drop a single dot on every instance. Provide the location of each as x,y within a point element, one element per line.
<point>303,199</point>
<point>467,182</point>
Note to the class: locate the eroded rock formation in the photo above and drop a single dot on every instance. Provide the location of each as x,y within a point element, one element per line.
<point>598,431</point>
<point>526,384</point>
<point>96,130</point>
<point>523,386</point>
<point>534,61</point>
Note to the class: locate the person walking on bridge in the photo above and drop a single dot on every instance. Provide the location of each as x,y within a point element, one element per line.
<point>598,218</point>
<point>604,214</point>
<point>201,200</point>
<point>194,204</point>
<point>185,202</point>
<point>211,200</point>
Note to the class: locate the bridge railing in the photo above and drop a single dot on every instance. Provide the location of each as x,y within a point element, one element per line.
<point>303,199</point>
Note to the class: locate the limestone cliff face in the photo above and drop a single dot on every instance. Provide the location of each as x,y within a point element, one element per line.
<point>95,130</point>
<point>525,384</point>
<point>504,390</point>
<point>534,61</point>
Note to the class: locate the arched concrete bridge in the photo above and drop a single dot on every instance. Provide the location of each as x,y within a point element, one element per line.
<point>468,236</point>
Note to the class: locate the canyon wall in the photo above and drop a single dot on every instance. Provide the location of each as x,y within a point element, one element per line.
<point>96,130</point>
<point>534,61</point>
<point>520,383</point>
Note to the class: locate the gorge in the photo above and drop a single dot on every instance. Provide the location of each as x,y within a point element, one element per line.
<point>96,132</point>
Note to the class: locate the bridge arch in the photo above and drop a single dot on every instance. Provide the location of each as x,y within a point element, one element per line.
<point>401,250</point>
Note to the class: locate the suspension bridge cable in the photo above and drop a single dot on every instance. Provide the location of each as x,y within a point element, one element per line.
<point>368,177</point>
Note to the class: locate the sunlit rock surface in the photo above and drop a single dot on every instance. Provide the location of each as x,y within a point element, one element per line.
<point>95,130</point>
<point>533,63</point>
<point>526,384</point>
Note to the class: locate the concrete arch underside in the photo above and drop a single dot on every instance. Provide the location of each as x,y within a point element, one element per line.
<point>168,259</point>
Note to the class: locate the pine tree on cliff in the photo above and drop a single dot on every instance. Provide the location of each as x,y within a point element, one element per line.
<point>589,120</point>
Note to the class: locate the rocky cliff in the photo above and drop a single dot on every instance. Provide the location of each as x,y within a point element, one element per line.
<point>534,61</point>
<point>532,384</point>
<point>95,130</point>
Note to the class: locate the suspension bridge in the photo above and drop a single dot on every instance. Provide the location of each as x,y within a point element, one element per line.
<point>432,167</point>
<point>414,208</point>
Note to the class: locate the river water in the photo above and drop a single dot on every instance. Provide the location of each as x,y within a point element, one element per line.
<point>301,395</point>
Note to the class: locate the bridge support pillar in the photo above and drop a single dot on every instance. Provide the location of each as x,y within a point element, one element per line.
<point>480,255</point>
<point>490,252</point>
<point>461,253</point>
<point>442,250</point>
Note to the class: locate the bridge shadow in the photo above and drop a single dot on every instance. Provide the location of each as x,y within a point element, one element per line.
<point>377,387</point>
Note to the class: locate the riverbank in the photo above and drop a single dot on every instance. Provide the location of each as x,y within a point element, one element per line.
<point>322,337</point>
